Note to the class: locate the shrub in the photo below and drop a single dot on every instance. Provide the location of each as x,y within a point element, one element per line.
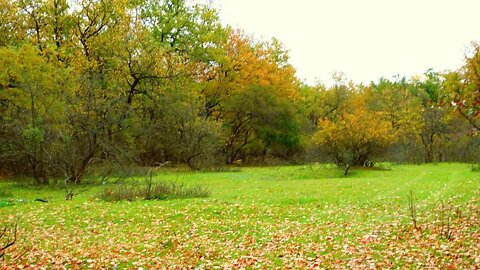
<point>4,203</point>
<point>162,191</point>
<point>152,191</point>
<point>121,192</point>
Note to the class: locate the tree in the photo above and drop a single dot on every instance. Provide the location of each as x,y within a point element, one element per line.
<point>319,102</point>
<point>78,78</point>
<point>435,129</point>
<point>10,26</point>
<point>30,90</point>
<point>400,106</point>
<point>464,88</point>
<point>252,74</point>
<point>257,122</point>
<point>243,63</point>
<point>436,126</point>
<point>179,132</point>
<point>357,138</point>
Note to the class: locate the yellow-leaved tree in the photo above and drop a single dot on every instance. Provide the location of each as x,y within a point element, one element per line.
<point>357,137</point>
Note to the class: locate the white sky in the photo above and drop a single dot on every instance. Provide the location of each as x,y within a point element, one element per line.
<point>365,39</point>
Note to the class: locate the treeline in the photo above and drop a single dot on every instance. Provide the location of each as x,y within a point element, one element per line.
<point>423,119</point>
<point>147,82</point>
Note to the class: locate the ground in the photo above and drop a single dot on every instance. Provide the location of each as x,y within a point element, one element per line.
<point>307,216</point>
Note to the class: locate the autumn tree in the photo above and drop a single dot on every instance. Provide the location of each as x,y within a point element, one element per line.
<point>10,26</point>
<point>89,72</point>
<point>464,88</point>
<point>252,74</point>
<point>357,138</point>
<point>402,108</point>
<point>319,102</point>
<point>400,105</point>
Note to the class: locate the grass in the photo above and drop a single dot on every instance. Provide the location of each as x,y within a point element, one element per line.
<point>151,191</point>
<point>5,193</point>
<point>256,217</point>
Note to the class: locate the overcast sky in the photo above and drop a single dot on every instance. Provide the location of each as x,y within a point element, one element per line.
<point>365,39</point>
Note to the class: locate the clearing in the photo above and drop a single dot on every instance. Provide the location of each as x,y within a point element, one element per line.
<point>303,216</point>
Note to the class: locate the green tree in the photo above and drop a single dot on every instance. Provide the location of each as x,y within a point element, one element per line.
<point>436,127</point>
<point>30,90</point>
<point>178,132</point>
<point>257,122</point>
<point>79,77</point>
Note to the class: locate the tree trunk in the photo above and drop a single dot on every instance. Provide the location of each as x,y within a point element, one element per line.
<point>347,168</point>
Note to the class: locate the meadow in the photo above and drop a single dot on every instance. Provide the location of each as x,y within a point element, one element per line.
<point>305,216</point>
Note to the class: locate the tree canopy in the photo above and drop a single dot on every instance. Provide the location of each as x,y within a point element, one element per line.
<point>145,82</point>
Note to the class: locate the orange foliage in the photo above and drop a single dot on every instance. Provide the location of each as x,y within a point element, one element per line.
<point>356,137</point>
<point>246,63</point>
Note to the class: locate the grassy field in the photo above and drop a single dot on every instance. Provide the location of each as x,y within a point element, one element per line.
<point>307,216</point>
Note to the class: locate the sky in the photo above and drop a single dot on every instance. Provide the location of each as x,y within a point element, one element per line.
<point>364,39</point>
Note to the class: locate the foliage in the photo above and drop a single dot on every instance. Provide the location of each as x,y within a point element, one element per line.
<point>82,78</point>
<point>356,138</point>
<point>180,133</point>
<point>322,103</point>
<point>90,82</point>
<point>423,123</point>
<point>400,106</point>
<point>259,123</point>
<point>464,87</point>
<point>145,82</point>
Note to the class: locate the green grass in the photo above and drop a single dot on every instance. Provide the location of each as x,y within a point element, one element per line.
<point>259,216</point>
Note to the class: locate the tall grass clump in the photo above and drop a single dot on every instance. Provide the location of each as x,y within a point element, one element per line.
<point>150,190</point>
